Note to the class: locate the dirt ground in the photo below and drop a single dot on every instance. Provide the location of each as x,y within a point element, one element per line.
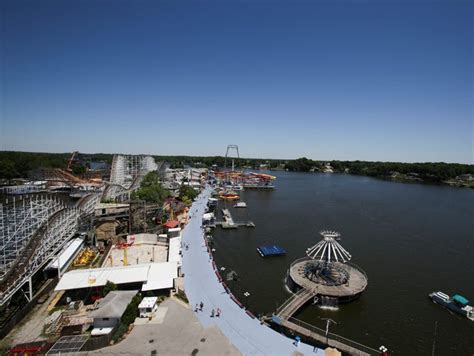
<point>30,328</point>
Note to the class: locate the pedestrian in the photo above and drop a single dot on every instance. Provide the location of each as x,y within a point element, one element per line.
<point>212,313</point>
<point>218,313</point>
<point>196,308</point>
<point>201,306</point>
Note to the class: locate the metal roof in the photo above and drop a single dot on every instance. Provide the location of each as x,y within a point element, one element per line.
<point>113,304</point>
<point>174,250</point>
<point>158,275</point>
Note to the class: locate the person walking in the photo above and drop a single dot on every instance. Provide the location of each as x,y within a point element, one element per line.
<point>212,313</point>
<point>201,305</point>
<point>218,312</point>
<point>196,308</point>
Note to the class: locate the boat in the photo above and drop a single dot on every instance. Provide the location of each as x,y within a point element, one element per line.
<point>457,303</point>
<point>229,197</point>
<point>240,204</point>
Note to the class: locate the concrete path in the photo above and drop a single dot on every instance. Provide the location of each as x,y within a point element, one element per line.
<point>180,333</point>
<point>201,284</point>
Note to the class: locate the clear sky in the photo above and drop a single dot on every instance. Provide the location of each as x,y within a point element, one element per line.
<point>368,80</point>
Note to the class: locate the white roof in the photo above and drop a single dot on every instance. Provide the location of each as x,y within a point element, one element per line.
<point>208,216</point>
<point>173,250</point>
<point>176,229</point>
<point>148,302</point>
<point>66,255</point>
<point>161,276</point>
<point>157,275</point>
<point>101,331</point>
<point>142,239</point>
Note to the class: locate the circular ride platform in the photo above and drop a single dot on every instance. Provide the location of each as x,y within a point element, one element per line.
<point>345,282</point>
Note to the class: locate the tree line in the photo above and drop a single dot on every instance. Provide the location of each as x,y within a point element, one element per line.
<point>20,164</point>
<point>428,171</point>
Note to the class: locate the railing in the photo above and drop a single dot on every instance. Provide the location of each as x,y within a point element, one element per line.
<point>334,337</point>
<point>302,296</point>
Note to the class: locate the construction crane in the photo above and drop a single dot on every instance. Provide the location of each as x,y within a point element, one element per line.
<point>71,160</point>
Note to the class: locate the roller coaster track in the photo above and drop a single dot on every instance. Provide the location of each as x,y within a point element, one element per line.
<point>126,175</point>
<point>42,245</point>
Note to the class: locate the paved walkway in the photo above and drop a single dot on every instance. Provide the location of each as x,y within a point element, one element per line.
<point>201,284</point>
<point>177,332</point>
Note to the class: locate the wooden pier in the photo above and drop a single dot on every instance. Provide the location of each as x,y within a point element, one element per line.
<point>283,317</point>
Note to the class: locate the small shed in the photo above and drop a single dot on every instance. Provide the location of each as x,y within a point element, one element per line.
<point>148,307</point>
<point>111,308</point>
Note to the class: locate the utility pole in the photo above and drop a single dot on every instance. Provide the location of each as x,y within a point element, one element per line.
<point>328,321</point>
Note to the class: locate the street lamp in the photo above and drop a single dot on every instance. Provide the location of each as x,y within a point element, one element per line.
<point>328,321</point>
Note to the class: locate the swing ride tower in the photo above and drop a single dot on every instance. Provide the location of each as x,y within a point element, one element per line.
<point>327,272</point>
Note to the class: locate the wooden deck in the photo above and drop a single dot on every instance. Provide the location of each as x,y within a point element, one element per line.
<point>330,341</point>
<point>356,284</point>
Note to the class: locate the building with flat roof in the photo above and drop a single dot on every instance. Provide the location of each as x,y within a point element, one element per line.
<point>152,276</point>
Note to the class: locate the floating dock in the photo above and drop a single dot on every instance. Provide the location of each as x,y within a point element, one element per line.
<point>229,223</point>
<point>271,250</point>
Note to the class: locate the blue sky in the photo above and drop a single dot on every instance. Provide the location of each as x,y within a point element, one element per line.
<point>367,80</point>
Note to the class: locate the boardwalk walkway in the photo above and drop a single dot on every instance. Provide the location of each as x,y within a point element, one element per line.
<point>295,302</point>
<point>201,284</point>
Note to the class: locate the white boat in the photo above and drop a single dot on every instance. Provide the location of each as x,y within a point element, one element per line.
<point>240,204</point>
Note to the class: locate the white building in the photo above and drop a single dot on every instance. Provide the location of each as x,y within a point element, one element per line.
<point>148,307</point>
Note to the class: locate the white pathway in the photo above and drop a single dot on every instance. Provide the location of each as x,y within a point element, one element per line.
<point>201,284</point>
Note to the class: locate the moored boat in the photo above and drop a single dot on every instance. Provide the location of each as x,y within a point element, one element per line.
<point>457,303</point>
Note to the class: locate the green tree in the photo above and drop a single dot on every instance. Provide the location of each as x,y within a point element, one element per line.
<point>151,189</point>
<point>186,191</point>
<point>109,286</point>
<point>131,312</point>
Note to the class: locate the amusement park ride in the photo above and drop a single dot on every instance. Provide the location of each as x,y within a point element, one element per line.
<point>327,273</point>
<point>327,254</point>
<point>231,180</point>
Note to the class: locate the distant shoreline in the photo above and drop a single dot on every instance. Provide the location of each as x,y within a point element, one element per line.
<point>19,165</point>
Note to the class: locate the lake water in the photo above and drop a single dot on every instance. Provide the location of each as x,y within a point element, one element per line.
<point>411,239</point>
